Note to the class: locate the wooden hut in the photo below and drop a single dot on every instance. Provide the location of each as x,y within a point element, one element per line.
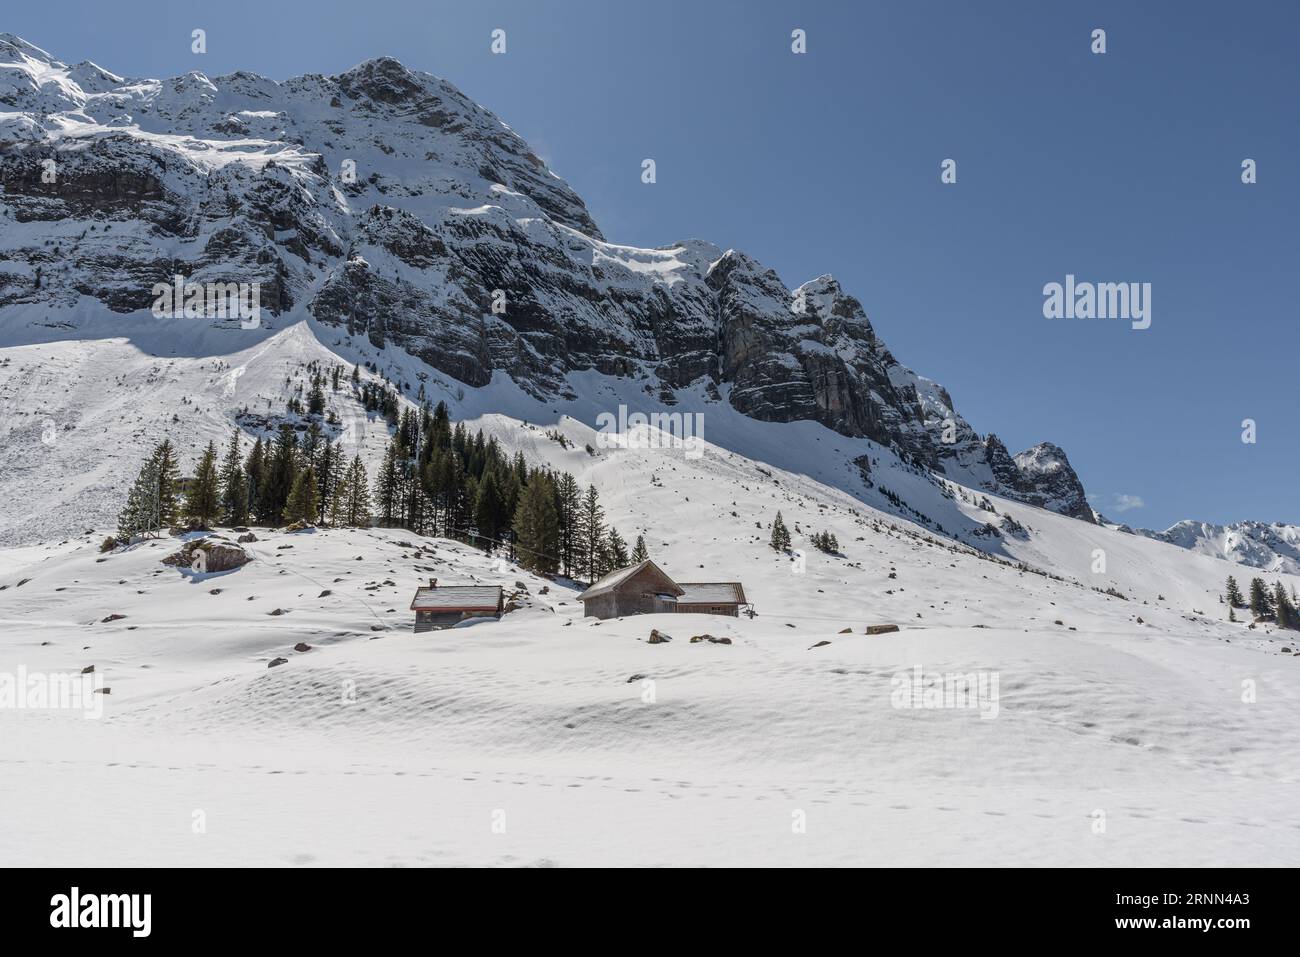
<point>642,589</point>
<point>443,607</point>
<point>645,589</point>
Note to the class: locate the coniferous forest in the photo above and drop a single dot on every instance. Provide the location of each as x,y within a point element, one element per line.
<point>436,478</point>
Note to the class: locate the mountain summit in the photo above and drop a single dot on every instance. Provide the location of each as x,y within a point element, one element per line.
<point>384,202</point>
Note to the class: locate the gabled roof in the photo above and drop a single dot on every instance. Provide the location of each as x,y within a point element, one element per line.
<point>617,577</point>
<point>711,593</point>
<point>457,598</point>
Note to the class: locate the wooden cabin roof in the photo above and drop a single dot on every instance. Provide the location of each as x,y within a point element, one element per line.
<point>620,576</point>
<point>711,593</point>
<point>457,598</point>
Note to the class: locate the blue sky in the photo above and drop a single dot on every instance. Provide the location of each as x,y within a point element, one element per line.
<point>1117,167</point>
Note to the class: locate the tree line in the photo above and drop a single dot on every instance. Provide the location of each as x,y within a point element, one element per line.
<point>435,479</point>
<point>1265,603</point>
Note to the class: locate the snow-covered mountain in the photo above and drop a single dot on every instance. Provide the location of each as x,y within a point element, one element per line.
<point>385,203</point>
<point>1270,546</point>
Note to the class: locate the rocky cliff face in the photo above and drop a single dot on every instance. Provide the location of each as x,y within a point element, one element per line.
<point>385,202</point>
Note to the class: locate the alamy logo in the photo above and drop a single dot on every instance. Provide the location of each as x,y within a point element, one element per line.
<point>658,430</point>
<point>976,690</point>
<point>133,911</point>
<point>180,299</point>
<point>1129,301</point>
<point>38,691</point>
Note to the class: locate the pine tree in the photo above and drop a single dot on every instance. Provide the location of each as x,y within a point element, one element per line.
<point>140,515</point>
<point>1283,609</point>
<point>203,498</point>
<point>1234,593</point>
<point>254,478</point>
<point>617,550</point>
<point>1260,606</point>
<point>388,488</point>
<point>316,397</point>
<point>337,516</point>
<point>537,527</point>
<point>639,553</point>
<point>591,532</point>
<point>169,484</point>
<point>303,505</point>
<point>780,536</point>
<point>358,497</point>
<point>234,485</point>
<point>490,510</point>
<point>569,506</point>
<point>330,471</point>
<point>281,471</point>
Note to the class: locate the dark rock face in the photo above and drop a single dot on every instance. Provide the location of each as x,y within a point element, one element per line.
<point>384,202</point>
<point>1047,480</point>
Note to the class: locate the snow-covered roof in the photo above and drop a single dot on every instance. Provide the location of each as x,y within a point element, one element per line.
<point>615,578</point>
<point>711,593</point>
<point>457,598</point>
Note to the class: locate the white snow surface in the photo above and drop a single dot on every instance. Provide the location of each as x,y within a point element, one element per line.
<point>537,740</point>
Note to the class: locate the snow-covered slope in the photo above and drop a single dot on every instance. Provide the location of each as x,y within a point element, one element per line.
<point>590,746</point>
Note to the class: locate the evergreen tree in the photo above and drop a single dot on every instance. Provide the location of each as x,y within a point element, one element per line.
<point>639,553</point>
<point>203,498</point>
<point>617,549</point>
<point>255,478</point>
<point>337,515</point>
<point>303,505</point>
<point>1283,609</point>
<point>357,508</point>
<point>388,488</point>
<point>490,514</point>
<point>1260,606</point>
<point>569,507</point>
<point>780,536</point>
<point>1234,593</point>
<point>234,485</point>
<point>169,484</point>
<point>537,527</point>
<point>316,396</point>
<point>281,471</point>
<point>140,515</point>
<point>591,532</point>
<point>330,472</point>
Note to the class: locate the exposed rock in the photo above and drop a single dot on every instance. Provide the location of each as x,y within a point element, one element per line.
<point>302,646</point>
<point>818,645</point>
<point>879,629</point>
<point>112,617</point>
<point>275,662</point>
<point>246,538</point>
<point>657,637</point>
<point>724,640</point>
<point>207,555</point>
